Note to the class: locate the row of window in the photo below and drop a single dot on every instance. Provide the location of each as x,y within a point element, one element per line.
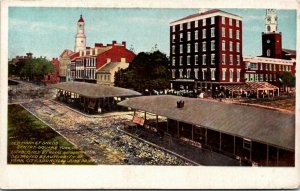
<point>204,48</point>
<point>103,77</point>
<point>205,60</point>
<point>204,34</point>
<point>205,76</point>
<point>267,67</point>
<point>89,62</point>
<point>88,73</point>
<point>260,77</point>
<point>204,23</point>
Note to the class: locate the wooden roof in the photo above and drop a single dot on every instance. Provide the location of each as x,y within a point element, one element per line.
<point>259,124</point>
<point>95,90</point>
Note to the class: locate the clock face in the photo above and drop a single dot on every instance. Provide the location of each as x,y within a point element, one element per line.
<point>269,19</point>
<point>82,41</point>
<point>80,26</point>
<point>268,41</point>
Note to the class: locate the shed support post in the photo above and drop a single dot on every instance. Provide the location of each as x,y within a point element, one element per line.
<point>134,112</point>
<point>234,145</point>
<point>277,157</point>
<point>145,116</point>
<point>278,91</point>
<point>156,121</point>
<point>257,95</point>
<point>192,132</point>
<point>220,145</point>
<point>178,129</point>
<point>267,155</point>
<point>205,136</point>
<point>167,125</point>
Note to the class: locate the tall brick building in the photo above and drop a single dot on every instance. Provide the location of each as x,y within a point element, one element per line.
<point>206,50</point>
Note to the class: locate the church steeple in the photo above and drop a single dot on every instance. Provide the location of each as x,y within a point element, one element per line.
<point>271,21</point>
<point>80,38</point>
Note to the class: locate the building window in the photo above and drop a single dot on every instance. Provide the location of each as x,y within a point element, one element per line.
<point>230,22</point>
<point>188,60</point>
<point>223,20</point>
<point>230,33</point>
<point>188,73</point>
<point>223,58</point>
<point>230,46</point>
<point>237,23</point>
<point>223,45</point>
<point>189,36</point>
<point>173,73</point>
<point>223,31</point>
<point>173,38</point>
<point>188,48</point>
<point>173,61</point>
<point>204,59</point>
<point>212,45</point>
<point>213,73</point>
<point>212,59</point>
<point>181,48</point>
<point>230,59</point>
<point>181,37</point>
<point>203,46</point>
<point>196,47</point>
<point>212,20</point>
<point>268,52</point>
<point>203,22</point>
<point>286,68</point>
<point>267,77</point>
<point>223,74</point>
<point>212,32</point>
<point>271,77</point>
<point>230,75</point>
<point>196,23</point>
<point>188,25</point>
<point>274,67</point>
<point>203,33</point>
<point>173,49</point>
<point>238,75</point>
<point>180,73</point>
<point>196,35</point>
<point>261,66</point>
<point>238,47</point>
<point>196,60</point>
<point>181,26</point>
<point>238,60</point>
<point>173,28</point>
<point>237,34</point>
<point>261,77</point>
<point>267,67</point>
<point>204,74</point>
<point>196,70</point>
<point>180,60</point>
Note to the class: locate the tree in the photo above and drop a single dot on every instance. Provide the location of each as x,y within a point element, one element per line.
<point>148,70</point>
<point>36,68</point>
<point>287,79</point>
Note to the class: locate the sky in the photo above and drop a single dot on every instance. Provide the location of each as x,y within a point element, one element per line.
<point>48,31</point>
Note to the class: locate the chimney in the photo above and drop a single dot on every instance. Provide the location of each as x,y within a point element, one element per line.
<point>98,45</point>
<point>180,104</point>
<point>114,42</point>
<point>124,43</point>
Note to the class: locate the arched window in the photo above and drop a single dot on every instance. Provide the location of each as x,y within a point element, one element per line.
<point>268,52</point>
<point>268,28</point>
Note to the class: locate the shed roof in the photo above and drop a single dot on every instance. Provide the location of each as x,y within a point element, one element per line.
<point>251,86</point>
<point>259,124</point>
<point>95,90</point>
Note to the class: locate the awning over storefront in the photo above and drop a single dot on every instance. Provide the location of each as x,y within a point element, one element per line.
<point>259,124</point>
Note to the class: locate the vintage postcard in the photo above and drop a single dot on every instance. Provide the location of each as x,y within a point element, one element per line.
<point>140,94</point>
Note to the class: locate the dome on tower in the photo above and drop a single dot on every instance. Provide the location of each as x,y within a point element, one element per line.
<point>80,19</point>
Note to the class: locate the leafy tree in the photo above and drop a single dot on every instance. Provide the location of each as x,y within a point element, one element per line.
<point>36,68</point>
<point>148,70</point>
<point>287,79</point>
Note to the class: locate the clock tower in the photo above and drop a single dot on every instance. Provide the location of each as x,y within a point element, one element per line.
<point>271,38</point>
<point>80,39</point>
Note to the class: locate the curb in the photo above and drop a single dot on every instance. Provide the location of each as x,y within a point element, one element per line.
<point>159,147</point>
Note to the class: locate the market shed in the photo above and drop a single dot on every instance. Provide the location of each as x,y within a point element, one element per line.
<point>259,135</point>
<point>261,89</point>
<point>92,98</point>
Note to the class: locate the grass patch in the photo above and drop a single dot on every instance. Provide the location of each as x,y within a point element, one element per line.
<point>30,141</point>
